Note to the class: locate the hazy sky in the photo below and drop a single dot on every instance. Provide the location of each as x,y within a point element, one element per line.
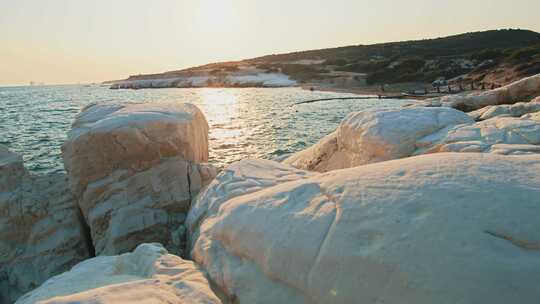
<point>70,41</point>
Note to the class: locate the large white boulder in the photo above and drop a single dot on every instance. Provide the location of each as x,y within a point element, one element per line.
<point>441,228</point>
<point>501,134</point>
<point>375,135</point>
<point>134,137</point>
<point>135,169</point>
<point>147,275</point>
<point>521,90</point>
<point>41,230</point>
<point>515,110</point>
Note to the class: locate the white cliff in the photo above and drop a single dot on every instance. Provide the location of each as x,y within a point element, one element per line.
<point>254,79</point>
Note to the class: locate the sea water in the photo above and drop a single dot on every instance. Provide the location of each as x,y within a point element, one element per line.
<point>244,122</point>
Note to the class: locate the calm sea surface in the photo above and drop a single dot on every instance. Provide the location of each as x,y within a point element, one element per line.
<point>247,122</point>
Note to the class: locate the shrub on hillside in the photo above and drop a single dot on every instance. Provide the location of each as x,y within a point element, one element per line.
<point>364,67</point>
<point>523,54</point>
<point>487,54</point>
<point>338,62</point>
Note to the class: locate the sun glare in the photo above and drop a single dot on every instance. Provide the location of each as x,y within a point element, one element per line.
<point>215,13</point>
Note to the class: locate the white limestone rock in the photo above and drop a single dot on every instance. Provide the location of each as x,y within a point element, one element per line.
<point>517,134</point>
<point>11,169</point>
<point>515,110</point>
<point>520,90</point>
<point>506,149</point>
<point>125,210</point>
<point>375,135</point>
<point>443,228</point>
<point>240,178</point>
<point>41,230</point>
<point>147,275</point>
<point>135,169</point>
<point>134,137</point>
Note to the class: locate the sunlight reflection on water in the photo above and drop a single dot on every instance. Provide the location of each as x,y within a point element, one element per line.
<point>244,122</point>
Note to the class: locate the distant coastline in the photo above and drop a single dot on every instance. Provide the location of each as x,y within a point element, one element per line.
<point>480,60</point>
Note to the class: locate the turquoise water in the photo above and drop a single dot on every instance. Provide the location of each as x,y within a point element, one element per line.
<point>244,122</point>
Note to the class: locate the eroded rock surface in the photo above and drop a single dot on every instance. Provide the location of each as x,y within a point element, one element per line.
<point>502,135</point>
<point>442,228</point>
<point>240,178</point>
<point>515,110</point>
<point>135,169</point>
<point>375,135</point>
<point>150,205</point>
<point>147,275</point>
<point>522,90</point>
<point>41,230</point>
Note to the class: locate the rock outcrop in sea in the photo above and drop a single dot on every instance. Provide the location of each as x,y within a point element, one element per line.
<point>430,205</point>
<point>375,135</point>
<point>134,169</point>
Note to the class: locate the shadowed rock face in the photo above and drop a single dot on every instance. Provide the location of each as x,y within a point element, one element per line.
<point>148,274</point>
<point>440,228</point>
<point>135,169</point>
<point>12,170</point>
<point>147,206</point>
<point>41,230</point>
<point>375,135</point>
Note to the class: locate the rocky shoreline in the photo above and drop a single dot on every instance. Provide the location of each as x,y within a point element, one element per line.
<point>437,202</point>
